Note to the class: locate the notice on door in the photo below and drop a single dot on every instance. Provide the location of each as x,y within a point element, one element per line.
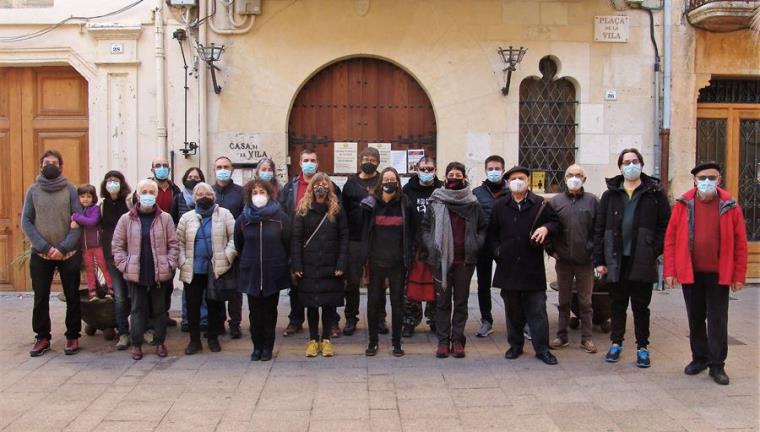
<point>385,154</point>
<point>344,157</point>
<point>612,28</point>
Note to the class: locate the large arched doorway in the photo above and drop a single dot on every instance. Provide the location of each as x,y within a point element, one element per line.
<point>364,101</point>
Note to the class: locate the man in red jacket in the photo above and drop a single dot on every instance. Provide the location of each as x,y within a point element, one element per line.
<point>702,218</point>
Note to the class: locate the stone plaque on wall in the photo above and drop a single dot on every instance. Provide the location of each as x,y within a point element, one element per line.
<point>611,28</point>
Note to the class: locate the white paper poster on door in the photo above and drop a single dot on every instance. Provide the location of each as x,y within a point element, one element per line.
<point>344,157</point>
<point>385,154</point>
<point>398,160</point>
<point>413,156</point>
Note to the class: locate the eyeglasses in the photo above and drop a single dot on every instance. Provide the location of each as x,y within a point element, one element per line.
<point>166,165</point>
<point>570,175</point>
<point>369,160</point>
<point>706,177</point>
<point>426,169</point>
<point>632,161</point>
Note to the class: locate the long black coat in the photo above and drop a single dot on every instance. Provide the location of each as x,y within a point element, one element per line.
<point>407,215</point>
<point>519,265</point>
<point>649,224</point>
<point>326,253</point>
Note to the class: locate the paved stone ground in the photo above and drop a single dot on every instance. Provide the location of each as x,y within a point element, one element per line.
<point>101,389</point>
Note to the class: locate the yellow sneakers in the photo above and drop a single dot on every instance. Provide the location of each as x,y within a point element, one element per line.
<point>327,348</point>
<point>312,348</point>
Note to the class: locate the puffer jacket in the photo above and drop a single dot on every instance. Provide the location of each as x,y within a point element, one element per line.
<point>163,240</point>
<point>222,242</point>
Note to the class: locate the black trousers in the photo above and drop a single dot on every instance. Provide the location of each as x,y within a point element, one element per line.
<point>312,316</point>
<point>526,307</point>
<point>450,326</point>
<point>297,310</point>
<point>640,295</point>
<point>148,303</point>
<point>376,300</point>
<point>484,272</point>
<point>235,309</point>
<point>42,271</point>
<point>354,275</point>
<point>263,317</point>
<point>196,291</point>
<point>706,300</point>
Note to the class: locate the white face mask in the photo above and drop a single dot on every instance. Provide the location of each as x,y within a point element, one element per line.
<point>259,200</point>
<point>517,185</point>
<point>573,183</point>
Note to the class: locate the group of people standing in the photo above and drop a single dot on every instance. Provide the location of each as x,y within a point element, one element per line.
<point>320,242</point>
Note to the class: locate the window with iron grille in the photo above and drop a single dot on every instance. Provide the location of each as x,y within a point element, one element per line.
<point>547,126</point>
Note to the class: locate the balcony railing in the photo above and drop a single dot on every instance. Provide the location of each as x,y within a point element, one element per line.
<point>721,15</point>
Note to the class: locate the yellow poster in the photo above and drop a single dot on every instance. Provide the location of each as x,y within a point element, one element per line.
<point>538,181</point>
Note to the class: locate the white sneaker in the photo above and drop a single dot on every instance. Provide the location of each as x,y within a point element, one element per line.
<point>123,342</point>
<point>486,328</point>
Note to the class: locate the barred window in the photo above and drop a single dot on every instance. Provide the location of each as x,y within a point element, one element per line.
<point>547,127</point>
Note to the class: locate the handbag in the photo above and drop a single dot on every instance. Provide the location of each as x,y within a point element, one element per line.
<point>224,287</point>
<point>420,285</point>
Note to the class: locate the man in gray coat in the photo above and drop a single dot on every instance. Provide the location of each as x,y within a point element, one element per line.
<point>573,249</point>
<point>46,221</point>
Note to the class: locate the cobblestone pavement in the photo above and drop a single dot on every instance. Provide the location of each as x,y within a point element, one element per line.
<point>101,389</point>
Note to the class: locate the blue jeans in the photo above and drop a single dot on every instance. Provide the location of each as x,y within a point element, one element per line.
<point>121,302</point>
<point>204,310</point>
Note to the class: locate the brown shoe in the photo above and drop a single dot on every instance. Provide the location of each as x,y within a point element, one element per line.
<point>136,352</point>
<point>71,347</point>
<point>161,350</point>
<point>457,350</point>
<point>292,329</point>
<point>442,351</point>
<point>588,346</point>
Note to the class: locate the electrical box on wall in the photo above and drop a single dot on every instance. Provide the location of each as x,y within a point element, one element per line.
<point>185,3</point>
<point>248,7</point>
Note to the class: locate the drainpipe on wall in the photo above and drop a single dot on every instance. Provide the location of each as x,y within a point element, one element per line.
<point>666,92</point>
<point>160,52</point>
<point>656,142</point>
<point>203,88</point>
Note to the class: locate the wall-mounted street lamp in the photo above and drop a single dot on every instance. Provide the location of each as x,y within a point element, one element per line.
<point>211,54</point>
<point>511,57</point>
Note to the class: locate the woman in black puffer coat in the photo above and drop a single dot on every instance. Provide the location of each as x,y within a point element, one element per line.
<point>319,253</point>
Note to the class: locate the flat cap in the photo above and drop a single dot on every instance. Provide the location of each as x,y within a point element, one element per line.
<point>516,169</point>
<point>705,165</point>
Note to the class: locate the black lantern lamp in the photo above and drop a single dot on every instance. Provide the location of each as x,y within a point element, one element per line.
<point>511,57</point>
<point>212,54</point>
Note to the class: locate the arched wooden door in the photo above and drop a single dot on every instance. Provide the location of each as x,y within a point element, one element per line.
<point>361,100</point>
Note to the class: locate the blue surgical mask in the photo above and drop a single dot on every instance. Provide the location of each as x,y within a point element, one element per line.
<point>309,168</point>
<point>147,200</point>
<point>707,186</point>
<point>113,187</point>
<point>495,176</point>
<point>266,175</point>
<point>161,173</point>
<point>426,177</point>
<point>223,174</point>
<point>632,171</point>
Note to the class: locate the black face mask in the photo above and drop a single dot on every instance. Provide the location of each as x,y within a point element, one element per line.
<point>51,172</point>
<point>320,191</point>
<point>455,184</point>
<point>390,187</point>
<point>190,184</point>
<point>368,168</point>
<point>204,203</point>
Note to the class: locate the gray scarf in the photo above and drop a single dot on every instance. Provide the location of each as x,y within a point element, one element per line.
<point>54,185</point>
<point>441,202</point>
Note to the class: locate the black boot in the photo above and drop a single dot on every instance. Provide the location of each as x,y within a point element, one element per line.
<point>213,344</point>
<point>350,327</point>
<point>194,347</point>
<point>718,373</point>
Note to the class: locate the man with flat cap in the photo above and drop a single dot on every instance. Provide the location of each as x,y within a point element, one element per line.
<point>520,224</point>
<point>706,252</point>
